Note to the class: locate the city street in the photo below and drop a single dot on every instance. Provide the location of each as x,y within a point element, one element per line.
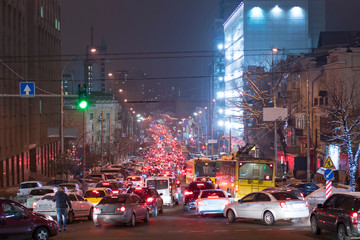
<point>174,224</point>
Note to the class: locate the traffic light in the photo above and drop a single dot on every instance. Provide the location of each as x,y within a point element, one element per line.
<point>83,101</point>
<point>202,147</point>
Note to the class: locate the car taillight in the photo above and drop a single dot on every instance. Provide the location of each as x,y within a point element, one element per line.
<point>354,217</point>
<point>213,197</point>
<point>283,205</point>
<point>150,199</point>
<point>187,193</point>
<point>200,184</point>
<point>226,202</point>
<point>18,191</point>
<point>200,203</point>
<point>34,205</point>
<point>115,192</point>
<point>138,188</point>
<point>120,209</point>
<point>306,204</point>
<point>97,210</point>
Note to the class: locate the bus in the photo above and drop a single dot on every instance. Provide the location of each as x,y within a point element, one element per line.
<point>200,169</point>
<point>244,175</point>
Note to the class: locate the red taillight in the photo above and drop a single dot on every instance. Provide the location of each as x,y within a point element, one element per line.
<point>106,184</point>
<point>115,192</point>
<point>34,205</point>
<point>95,191</point>
<point>18,191</point>
<point>120,209</point>
<point>213,197</point>
<point>283,205</point>
<point>138,188</point>
<point>97,210</point>
<point>306,204</point>
<point>187,193</point>
<point>354,217</point>
<point>150,199</point>
<point>226,202</point>
<point>200,203</point>
<point>200,184</point>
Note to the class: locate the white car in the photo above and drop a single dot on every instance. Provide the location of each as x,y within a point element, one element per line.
<point>25,188</point>
<point>135,181</point>
<point>81,207</point>
<point>269,206</point>
<point>211,201</point>
<point>37,193</point>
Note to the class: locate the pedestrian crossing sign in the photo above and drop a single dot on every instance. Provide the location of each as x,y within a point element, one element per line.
<point>329,164</point>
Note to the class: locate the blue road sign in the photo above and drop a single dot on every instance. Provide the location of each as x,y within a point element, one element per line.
<point>328,174</point>
<point>27,88</point>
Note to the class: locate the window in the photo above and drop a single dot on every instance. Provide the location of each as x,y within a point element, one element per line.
<point>42,12</point>
<point>80,198</point>
<point>261,197</point>
<point>13,211</point>
<point>72,198</point>
<point>249,198</point>
<point>91,116</point>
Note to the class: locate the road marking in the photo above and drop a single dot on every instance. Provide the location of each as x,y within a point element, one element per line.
<point>176,231</point>
<point>197,231</point>
<point>287,229</point>
<point>265,229</point>
<point>242,230</point>
<point>221,230</point>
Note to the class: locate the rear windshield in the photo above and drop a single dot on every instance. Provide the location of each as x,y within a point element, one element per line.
<point>284,196</point>
<point>95,176</point>
<point>113,200</point>
<point>94,194</point>
<point>47,197</point>
<point>134,179</point>
<point>28,185</point>
<point>207,194</point>
<point>200,185</point>
<point>107,185</point>
<point>70,186</point>
<point>56,182</point>
<point>142,193</point>
<point>158,184</point>
<point>40,192</point>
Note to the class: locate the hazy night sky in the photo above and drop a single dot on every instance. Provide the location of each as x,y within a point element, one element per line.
<point>161,26</point>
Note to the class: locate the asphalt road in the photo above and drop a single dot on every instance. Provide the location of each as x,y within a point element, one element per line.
<point>174,224</point>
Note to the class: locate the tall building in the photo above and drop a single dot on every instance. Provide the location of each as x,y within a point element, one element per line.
<point>28,28</point>
<point>254,29</point>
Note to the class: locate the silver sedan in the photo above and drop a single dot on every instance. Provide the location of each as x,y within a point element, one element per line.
<point>120,209</point>
<point>269,206</point>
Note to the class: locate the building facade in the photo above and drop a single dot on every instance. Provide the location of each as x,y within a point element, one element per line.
<point>28,28</point>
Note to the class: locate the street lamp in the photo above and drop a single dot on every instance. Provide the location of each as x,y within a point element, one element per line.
<point>307,110</point>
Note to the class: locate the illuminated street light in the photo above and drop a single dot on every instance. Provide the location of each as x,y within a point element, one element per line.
<point>110,74</point>
<point>125,100</point>
<point>120,90</point>
<point>93,50</point>
<point>195,114</point>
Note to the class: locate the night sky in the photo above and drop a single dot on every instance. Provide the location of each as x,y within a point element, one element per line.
<point>138,26</point>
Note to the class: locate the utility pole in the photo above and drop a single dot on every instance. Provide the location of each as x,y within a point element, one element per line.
<point>109,145</point>
<point>101,140</point>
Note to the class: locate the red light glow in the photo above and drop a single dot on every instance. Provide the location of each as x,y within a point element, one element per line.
<point>200,184</point>
<point>213,197</point>
<point>150,199</point>
<point>283,205</point>
<point>188,193</point>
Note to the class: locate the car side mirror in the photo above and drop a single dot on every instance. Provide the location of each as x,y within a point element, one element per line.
<point>239,201</point>
<point>229,195</point>
<point>320,205</point>
<point>160,194</point>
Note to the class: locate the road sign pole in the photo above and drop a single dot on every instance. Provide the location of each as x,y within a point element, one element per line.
<point>328,189</point>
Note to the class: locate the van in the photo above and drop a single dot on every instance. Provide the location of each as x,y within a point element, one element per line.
<point>166,186</point>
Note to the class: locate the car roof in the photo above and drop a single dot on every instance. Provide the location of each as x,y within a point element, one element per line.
<point>355,194</point>
<point>30,182</point>
<point>97,188</point>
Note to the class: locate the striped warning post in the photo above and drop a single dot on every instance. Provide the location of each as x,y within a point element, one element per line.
<point>328,189</point>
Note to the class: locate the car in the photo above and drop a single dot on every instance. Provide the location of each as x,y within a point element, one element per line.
<point>72,188</point>
<point>57,182</point>
<point>25,189</point>
<point>339,214</point>
<point>81,207</point>
<point>152,198</point>
<point>306,188</point>
<point>269,206</point>
<point>94,195</point>
<point>211,201</point>
<point>192,192</point>
<point>37,193</point>
<point>135,181</point>
<point>18,222</point>
<point>166,186</point>
<point>97,176</point>
<point>121,209</point>
<point>115,186</point>
<point>294,191</point>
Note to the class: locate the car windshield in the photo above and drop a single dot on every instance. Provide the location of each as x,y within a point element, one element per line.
<point>28,185</point>
<point>40,192</point>
<point>158,184</point>
<point>141,192</point>
<point>284,195</point>
<point>210,194</point>
<point>94,194</point>
<point>133,179</point>
<point>113,200</point>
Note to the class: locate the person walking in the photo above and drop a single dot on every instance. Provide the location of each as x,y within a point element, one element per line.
<point>62,202</point>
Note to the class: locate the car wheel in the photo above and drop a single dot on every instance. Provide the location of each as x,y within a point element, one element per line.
<point>133,220</point>
<point>269,218</point>
<point>70,217</point>
<point>154,211</point>
<point>231,216</point>
<point>90,217</point>
<point>42,233</point>
<point>341,232</point>
<point>314,226</point>
<point>147,216</point>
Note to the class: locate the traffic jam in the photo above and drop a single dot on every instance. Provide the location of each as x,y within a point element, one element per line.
<point>161,176</point>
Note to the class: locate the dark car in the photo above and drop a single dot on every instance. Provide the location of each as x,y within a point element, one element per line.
<point>192,192</point>
<point>340,214</point>
<point>18,221</point>
<point>116,187</point>
<point>151,197</point>
<point>120,209</point>
<point>305,188</point>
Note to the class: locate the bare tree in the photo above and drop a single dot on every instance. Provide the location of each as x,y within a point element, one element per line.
<point>344,116</point>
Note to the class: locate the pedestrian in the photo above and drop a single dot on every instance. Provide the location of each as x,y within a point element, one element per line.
<point>62,202</point>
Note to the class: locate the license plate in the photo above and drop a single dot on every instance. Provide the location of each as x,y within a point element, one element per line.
<point>45,207</point>
<point>297,205</point>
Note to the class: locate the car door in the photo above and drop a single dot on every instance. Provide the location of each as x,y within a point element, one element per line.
<point>243,207</point>
<point>324,213</point>
<point>139,206</point>
<point>76,206</point>
<point>84,205</point>
<point>262,201</point>
<point>15,220</point>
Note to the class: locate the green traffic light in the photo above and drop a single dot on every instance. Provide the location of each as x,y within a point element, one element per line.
<point>83,104</point>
